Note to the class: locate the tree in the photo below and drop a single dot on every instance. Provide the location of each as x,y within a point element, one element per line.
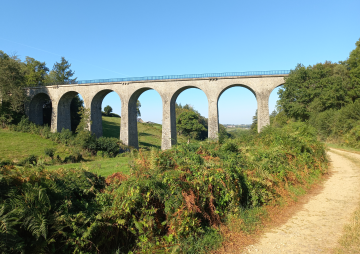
<point>188,124</point>
<point>138,105</point>
<point>61,73</point>
<point>255,122</point>
<point>75,112</point>
<point>35,72</point>
<point>12,82</point>
<point>316,89</point>
<point>354,65</point>
<point>108,110</point>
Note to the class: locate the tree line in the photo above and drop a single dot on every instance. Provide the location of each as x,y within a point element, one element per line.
<point>326,96</point>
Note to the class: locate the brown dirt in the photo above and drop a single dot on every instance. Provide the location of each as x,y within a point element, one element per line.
<point>311,225</point>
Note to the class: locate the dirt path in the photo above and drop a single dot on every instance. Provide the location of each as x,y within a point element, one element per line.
<point>318,226</point>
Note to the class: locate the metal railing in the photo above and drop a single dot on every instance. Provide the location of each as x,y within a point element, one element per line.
<point>186,76</point>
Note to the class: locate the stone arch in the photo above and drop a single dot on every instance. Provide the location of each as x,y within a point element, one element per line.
<point>36,108</point>
<point>63,110</point>
<point>173,99</point>
<point>95,109</point>
<point>129,129</point>
<point>235,85</point>
<point>248,88</point>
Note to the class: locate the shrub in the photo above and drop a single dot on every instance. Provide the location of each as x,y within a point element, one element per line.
<point>109,145</point>
<point>30,160</point>
<point>50,152</point>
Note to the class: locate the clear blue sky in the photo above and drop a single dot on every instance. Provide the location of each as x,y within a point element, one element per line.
<point>110,39</point>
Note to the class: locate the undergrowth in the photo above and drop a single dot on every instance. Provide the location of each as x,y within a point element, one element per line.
<point>172,201</point>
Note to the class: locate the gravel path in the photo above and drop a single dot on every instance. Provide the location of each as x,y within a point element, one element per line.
<point>318,226</point>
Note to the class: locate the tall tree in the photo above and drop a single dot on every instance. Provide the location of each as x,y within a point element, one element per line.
<point>35,72</point>
<point>354,64</point>
<point>61,73</point>
<point>12,81</point>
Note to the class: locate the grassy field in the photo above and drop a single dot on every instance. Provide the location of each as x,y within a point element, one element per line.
<point>100,166</point>
<point>16,145</point>
<point>149,134</point>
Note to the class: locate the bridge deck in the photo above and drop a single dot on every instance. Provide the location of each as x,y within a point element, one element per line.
<point>186,77</point>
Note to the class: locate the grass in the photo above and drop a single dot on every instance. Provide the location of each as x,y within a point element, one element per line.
<point>149,134</point>
<point>101,166</point>
<point>350,239</point>
<point>16,145</point>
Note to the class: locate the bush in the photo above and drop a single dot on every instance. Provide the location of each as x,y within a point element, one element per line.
<point>30,160</point>
<point>50,152</point>
<point>109,145</point>
<point>46,211</point>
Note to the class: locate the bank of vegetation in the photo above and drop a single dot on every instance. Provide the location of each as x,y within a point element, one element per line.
<point>172,200</point>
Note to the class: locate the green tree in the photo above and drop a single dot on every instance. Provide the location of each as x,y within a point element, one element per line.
<point>138,105</point>
<point>35,72</point>
<point>61,73</point>
<point>315,89</point>
<point>354,65</point>
<point>75,112</point>
<point>188,124</point>
<point>108,110</point>
<point>12,82</point>
<point>254,124</point>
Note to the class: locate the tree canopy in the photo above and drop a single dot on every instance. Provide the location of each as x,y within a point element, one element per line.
<point>188,124</point>
<point>61,73</point>
<point>321,87</point>
<point>108,110</point>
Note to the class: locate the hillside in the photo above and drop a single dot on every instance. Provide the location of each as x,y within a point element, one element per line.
<point>16,145</point>
<point>149,134</point>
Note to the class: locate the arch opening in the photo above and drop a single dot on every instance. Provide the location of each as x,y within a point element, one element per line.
<point>145,118</point>
<point>237,105</point>
<point>277,117</point>
<point>105,114</point>
<point>68,111</point>
<point>191,104</point>
<point>40,109</point>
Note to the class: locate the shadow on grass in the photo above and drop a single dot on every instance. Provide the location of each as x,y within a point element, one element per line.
<point>148,145</point>
<point>145,134</point>
<point>111,129</point>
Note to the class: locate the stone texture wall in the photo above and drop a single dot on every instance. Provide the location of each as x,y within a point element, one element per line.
<point>129,92</point>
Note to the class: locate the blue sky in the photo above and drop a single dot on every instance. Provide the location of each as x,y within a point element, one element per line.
<point>110,39</point>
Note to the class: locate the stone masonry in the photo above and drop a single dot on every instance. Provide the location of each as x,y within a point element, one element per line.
<point>94,93</point>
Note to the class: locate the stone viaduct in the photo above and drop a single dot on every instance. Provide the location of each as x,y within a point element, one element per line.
<point>261,84</point>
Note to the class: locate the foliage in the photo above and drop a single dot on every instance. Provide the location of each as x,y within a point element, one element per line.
<point>41,208</point>
<point>108,110</point>
<point>50,152</point>
<point>328,96</point>
<point>75,112</point>
<point>61,73</point>
<point>172,200</point>
<point>12,96</point>
<point>188,124</point>
<point>138,106</point>
<point>35,72</point>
